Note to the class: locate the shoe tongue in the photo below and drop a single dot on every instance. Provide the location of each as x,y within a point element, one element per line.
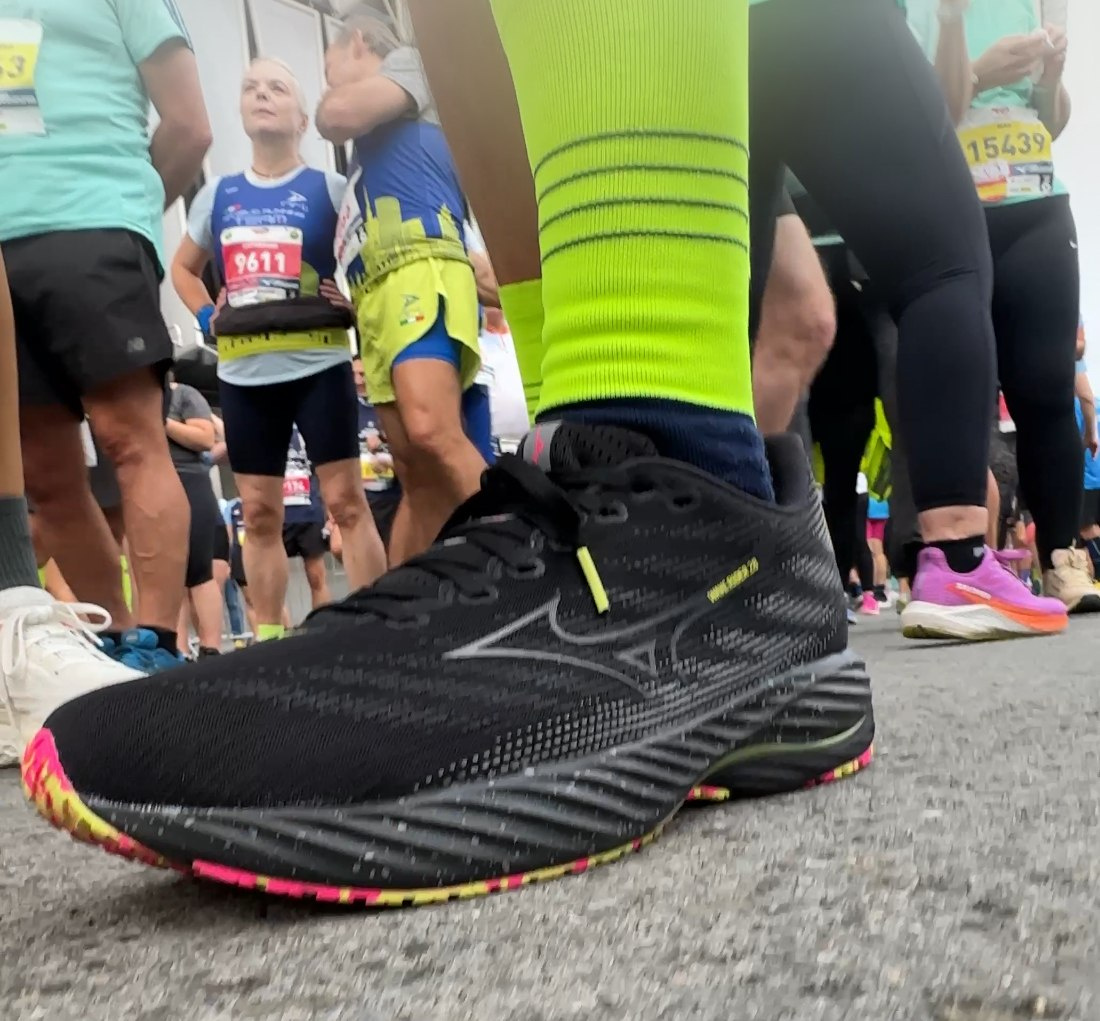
<point>566,446</point>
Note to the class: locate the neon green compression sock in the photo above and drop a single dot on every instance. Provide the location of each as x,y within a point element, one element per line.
<point>636,119</point>
<point>522,307</point>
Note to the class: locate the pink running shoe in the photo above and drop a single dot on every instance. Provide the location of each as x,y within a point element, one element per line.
<point>988,603</point>
<point>869,604</point>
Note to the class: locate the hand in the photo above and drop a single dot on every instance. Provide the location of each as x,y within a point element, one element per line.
<point>1010,59</point>
<point>1055,63</point>
<point>1091,441</point>
<point>335,296</point>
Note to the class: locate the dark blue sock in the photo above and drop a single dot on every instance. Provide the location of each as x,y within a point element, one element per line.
<point>1093,546</point>
<point>724,443</point>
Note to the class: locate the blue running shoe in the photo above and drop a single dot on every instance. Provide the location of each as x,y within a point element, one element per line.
<point>139,651</point>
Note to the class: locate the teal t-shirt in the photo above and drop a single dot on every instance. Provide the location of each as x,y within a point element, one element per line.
<point>74,145</point>
<point>986,22</point>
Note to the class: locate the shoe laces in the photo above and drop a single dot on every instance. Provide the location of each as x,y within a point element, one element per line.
<point>494,532</point>
<point>64,631</point>
<point>1010,560</point>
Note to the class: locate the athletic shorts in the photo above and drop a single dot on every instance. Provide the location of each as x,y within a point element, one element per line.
<point>236,566</point>
<point>431,300</point>
<point>477,421</point>
<point>221,542</point>
<point>259,421</point>
<point>306,540</point>
<point>87,312</point>
<point>1090,509</point>
<point>876,529</point>
<point>206,522</point>
<point>383,506</point>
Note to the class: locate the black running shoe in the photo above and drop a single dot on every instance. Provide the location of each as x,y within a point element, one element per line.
<point>584,651</point>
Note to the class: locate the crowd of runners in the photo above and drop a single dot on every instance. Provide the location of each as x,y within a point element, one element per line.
<point>848,258</point>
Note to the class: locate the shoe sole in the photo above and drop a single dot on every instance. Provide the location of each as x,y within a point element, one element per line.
<point>482,825</point>
<point>977,623</point>
<point>1088,603</point>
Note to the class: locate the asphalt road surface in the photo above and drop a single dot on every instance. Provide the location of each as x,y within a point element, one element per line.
<point>956,880</point>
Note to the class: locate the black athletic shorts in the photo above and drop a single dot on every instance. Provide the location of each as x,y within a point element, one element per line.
<point>236,566</point>
<point>307,540</point>
<point>383,506</point>
<point>87,311</point>
<point>221,542</point>
<point>1090,509</point>
<point>206,522</point>
<point>259,420</point>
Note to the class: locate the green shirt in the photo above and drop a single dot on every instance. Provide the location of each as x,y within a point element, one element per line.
<point>90,167</point>
<point>986,22</point>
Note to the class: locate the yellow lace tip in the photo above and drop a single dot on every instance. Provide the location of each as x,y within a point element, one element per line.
<point>592,576</point>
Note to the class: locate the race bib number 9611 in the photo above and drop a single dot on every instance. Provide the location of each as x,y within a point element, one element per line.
<point>261,264</point>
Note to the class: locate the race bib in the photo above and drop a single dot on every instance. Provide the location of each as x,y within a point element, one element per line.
<point>351,232</point>
<point>261,264</point>
<point>296,489</point>
<point>20,44</point>
<point>1009,152</point>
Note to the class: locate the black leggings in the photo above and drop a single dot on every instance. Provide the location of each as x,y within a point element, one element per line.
<point>206,520</point>
<point>1036,303</point>
<point>842,412</point>
<point>864,562</point>
<point>841,92</point>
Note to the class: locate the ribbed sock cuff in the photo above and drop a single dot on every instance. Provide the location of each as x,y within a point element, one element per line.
<point>17,561</point>
<point>522,307</point>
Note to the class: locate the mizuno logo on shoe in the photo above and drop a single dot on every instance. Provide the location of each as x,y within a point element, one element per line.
<point>535,635</point>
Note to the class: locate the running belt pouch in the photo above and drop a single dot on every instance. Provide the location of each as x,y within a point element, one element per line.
<point>293,315</point>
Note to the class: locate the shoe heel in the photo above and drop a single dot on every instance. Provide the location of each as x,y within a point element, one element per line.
<point>826,734</point>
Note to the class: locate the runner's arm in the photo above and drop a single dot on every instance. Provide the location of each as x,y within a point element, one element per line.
<point>187,266</point>
<point>195,433</point>
<point>220,451</point>
<point>952,61</point>
<point>183,136</point>
<point>1087,399</point>
<point>356,109</point>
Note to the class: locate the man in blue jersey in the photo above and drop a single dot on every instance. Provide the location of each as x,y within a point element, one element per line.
<point>282,328</point>
<point>82,194</point>
<point>401,242</point>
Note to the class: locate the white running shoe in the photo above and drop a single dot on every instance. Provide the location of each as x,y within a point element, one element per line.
<point>48,655</point>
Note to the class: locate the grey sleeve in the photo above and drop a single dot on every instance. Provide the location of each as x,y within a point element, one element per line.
<point>200,228</point>
<point>403,67</point>
<point>191,404</point>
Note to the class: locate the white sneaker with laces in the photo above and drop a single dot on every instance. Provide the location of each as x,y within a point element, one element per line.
<point>48,655</point>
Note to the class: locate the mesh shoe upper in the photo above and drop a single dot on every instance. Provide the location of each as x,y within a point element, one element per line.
<point>487,654</point>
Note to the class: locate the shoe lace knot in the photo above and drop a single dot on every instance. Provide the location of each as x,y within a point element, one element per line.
<point>67,632</point>
<point>501,529</point>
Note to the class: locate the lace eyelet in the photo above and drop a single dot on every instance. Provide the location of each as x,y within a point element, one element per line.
<point>529,570</point>
<point>613,513</point>
<point>684,501</point>
<point>489,594</point>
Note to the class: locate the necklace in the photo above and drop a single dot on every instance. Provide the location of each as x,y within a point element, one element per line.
<point>271,177</point>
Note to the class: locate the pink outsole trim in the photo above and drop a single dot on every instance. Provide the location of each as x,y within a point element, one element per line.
<point>47,786</point>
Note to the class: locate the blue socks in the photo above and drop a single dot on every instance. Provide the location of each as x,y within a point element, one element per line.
<point>723,443</point>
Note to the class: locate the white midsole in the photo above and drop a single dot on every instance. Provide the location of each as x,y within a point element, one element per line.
<point>966,622</point>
